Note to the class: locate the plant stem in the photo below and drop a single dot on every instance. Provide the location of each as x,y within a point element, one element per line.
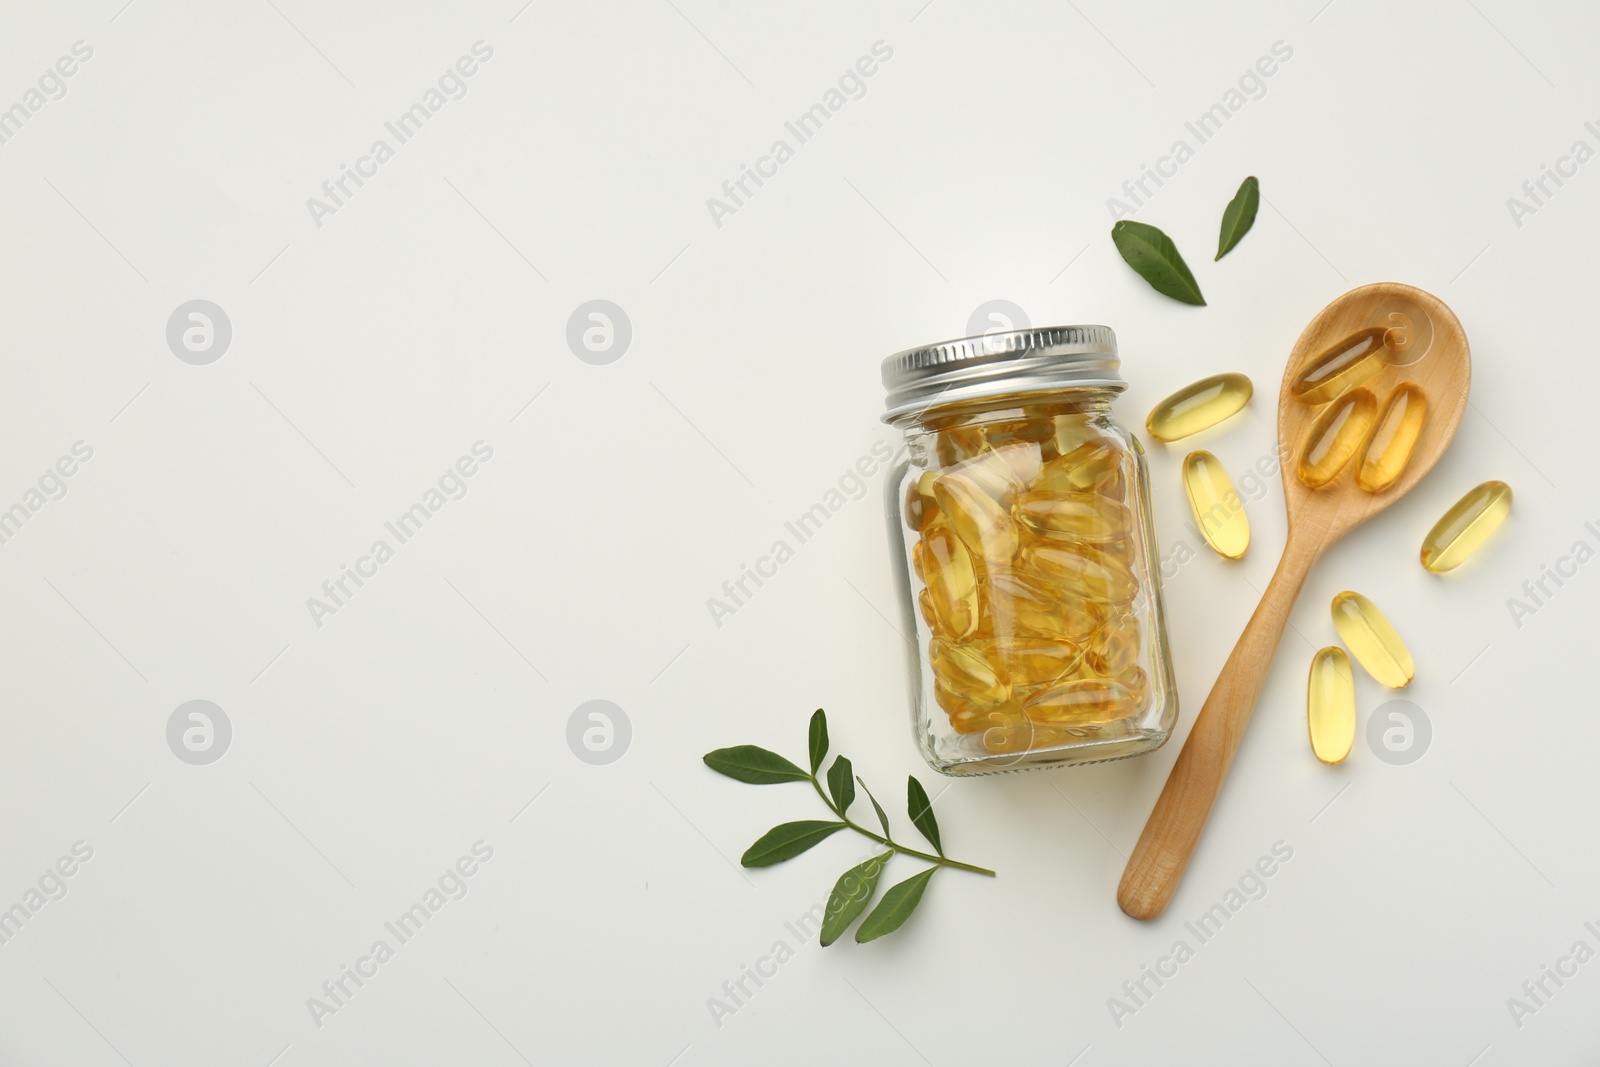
<point>941,861</point>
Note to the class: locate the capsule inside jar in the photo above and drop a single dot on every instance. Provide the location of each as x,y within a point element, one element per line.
<point>1083,467</point>
<point>952,585</point>
<point>921,507</point>
<point>982,523</point>
<point>1091,517</point>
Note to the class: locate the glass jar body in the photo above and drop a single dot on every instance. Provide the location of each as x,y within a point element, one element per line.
<point>1029,559</point>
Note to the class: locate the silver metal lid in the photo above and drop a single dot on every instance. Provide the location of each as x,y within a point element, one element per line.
<point>1016,361</point>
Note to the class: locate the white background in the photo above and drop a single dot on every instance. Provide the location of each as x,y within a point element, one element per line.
<point>371,351</point>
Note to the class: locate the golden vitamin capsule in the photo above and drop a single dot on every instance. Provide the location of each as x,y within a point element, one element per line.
<point>1028,606</point>
<point>1463,529</point>
<point>1082,702</point>
<point>1335,436</point>
<point>1079,567</point>
<point>1114,647</point>
<point>1038,661</point>
<point>1072,429</point>
<point>1331,705</point>
<point>1137,682</point>
<point>968,720</point>
<point>970,716</point>
<point>1089,517</point>
<point>1218,511</point>
<point>1083,468</point>
<point>925,606</point>
<point>1119,551</point>
<point>983,525</point>
<point>1036,431</point>
<point>1115,486</point>
<point>1342,367</point>
<point>967,671</point>
<point>1199,406</point>
<point>946,567</point>
<point>977,718</point>
<point>958,443</point>
<point>1394,435</point>
<point>1015,466</point>
<point>1373,642</point>
<point>952,702</point>
<point>921,507</point>
<point>1001,473</point>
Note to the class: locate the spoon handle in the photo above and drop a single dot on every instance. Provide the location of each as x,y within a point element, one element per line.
<point>1180,813</point>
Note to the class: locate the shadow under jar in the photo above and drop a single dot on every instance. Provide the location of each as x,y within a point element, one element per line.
<point>1022,519</point>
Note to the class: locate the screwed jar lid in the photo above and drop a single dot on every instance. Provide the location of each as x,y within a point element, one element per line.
<point>996,364</point>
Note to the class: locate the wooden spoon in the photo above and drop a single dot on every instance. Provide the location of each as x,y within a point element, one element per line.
<point>1429,349</point>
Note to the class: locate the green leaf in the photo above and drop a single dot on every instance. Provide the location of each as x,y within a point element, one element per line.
<point>841,784</point>
<point>1155,258</point>
<point>1239,215</point>
<point>922,812</point>
<point>757,766</point>
<point>819,739</point>
<point>895,908</point>
<point>787,841</point>
<point>883,820</point>
<point>850,897</point>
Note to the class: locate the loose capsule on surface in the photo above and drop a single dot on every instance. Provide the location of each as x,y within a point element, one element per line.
<point>1218,511</point>
<point>1335,436</point>
<point>1089,517</point>
<point>1341,367</point>
<point>1373,642</point>
<point>1394,435</point>
<point>1199,406</point>
<point>1463,529</point>
<point>1331,705</point>
<point>946,567</point>
<point>979,520</point>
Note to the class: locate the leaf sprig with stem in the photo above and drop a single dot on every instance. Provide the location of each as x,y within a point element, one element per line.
<point>855,888</point>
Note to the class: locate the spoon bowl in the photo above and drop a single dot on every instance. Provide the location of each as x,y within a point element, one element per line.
<point>1427,347</point>
<point>1424,345</point>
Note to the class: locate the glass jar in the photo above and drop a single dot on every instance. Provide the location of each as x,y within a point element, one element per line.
<point>1027,554</point>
